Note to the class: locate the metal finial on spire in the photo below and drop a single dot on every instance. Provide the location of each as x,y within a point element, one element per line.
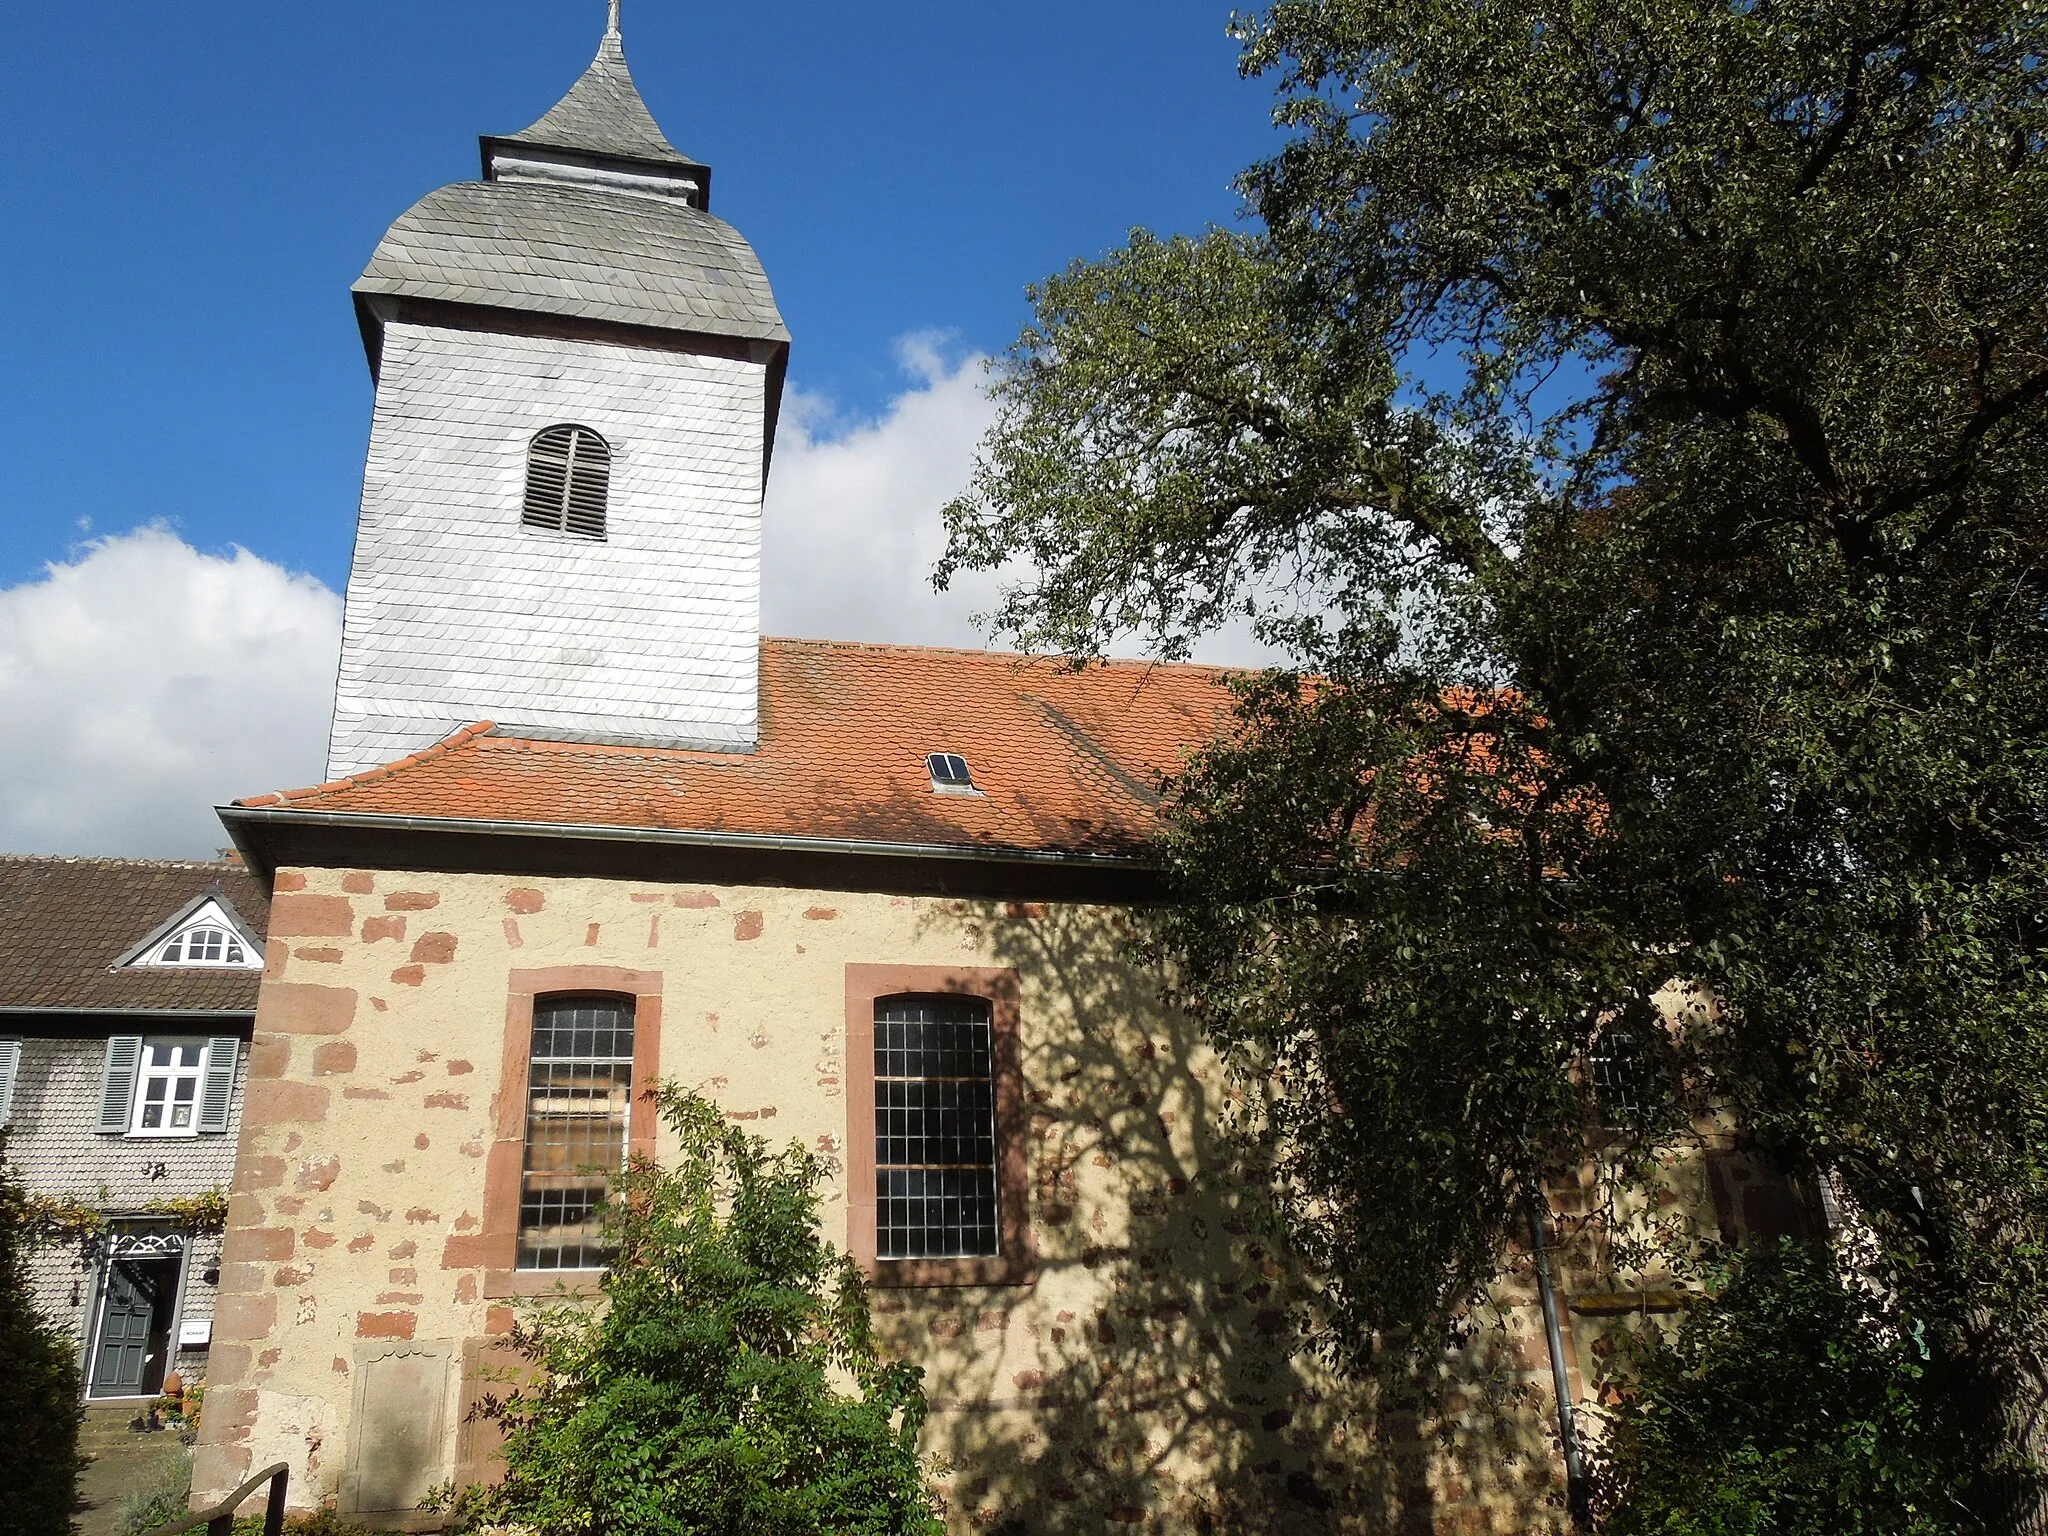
<point>612,24</point>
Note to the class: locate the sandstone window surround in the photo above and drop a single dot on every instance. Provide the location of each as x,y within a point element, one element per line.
<point>873,987</point>
<point>495,1247</point>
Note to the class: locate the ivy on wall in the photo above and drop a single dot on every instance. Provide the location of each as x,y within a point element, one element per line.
<point>49,1219</point>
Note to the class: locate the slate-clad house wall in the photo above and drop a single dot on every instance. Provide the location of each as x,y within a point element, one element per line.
<point>55,1140</point>
<point>66,997</point>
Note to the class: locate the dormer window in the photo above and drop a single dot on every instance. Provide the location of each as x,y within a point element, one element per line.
<point>568,479</point>
<point>202,946</point>
<point>206,935</point>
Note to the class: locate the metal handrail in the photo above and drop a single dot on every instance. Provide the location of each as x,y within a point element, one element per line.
<point>220,1520</point>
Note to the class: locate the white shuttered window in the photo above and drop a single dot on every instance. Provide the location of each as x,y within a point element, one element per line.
<point>158,1087</point>
<point>10,1071</point>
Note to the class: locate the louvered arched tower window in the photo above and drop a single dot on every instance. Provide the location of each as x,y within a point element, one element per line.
<point>568,476</point>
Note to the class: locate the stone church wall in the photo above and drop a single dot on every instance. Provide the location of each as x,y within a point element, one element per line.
<point>1143,1379</point>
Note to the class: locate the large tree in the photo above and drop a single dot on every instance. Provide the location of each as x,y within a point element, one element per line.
<point>1632,418</point>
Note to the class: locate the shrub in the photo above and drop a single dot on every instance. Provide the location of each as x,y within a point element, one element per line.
<point>159,1502</point>
<point>321,1522</point>
<point>1790,1404</point>
<point>698,1397</point>
<point>38,1388</point>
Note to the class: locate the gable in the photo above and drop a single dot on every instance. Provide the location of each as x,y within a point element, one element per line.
<point>206,933</point>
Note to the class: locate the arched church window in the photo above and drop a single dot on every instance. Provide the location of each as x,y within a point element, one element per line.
<point>568,476</point>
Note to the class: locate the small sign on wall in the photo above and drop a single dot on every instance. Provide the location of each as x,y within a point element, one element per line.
<point>195,1333</point>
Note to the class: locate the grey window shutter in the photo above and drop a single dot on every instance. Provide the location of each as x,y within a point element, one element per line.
<point>117,1082</point>
<point>218,1092</point>
<point>10,1069</point>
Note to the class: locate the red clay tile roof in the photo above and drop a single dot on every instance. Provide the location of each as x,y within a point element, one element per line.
<point>63,922</point>
<point>1066,761</point>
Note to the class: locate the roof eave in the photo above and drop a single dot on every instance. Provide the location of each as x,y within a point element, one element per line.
<point>72,1010</point>
<point>269,835</point>
<point>376,306</point>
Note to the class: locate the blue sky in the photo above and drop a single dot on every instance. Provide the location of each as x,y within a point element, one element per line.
<point>190,189</point>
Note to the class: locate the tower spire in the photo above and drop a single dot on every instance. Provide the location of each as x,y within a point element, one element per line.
<point>601,123</point>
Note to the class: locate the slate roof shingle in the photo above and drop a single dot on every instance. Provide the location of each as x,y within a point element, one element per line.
<point>576,249</point>
<point>603,114</point>
<point>579,251</point>
<point>1066,761</point>
<point>67,920</point>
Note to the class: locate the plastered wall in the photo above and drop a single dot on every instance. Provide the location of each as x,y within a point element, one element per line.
<point>458,613</point>
<point>1144,1379</point>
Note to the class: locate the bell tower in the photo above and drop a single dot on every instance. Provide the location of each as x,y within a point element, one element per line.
<point>578,370</point>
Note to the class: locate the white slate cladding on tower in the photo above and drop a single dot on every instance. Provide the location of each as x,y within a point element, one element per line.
<point>457,612</point>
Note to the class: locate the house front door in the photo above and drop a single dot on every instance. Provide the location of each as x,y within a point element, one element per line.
<point>135,1327</point>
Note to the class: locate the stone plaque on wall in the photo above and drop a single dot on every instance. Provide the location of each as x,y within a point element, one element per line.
<point>398,1434</point>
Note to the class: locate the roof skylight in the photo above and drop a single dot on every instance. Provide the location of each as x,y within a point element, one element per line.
<point>950,775</point>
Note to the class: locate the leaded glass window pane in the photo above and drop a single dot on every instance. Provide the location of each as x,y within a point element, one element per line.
<point>935,1129</point>
<point>579,1100</point>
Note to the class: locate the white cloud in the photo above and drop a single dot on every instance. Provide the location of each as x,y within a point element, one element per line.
<point>851,527</point>
<point>144,682</point>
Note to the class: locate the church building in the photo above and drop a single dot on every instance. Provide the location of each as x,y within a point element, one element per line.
<point>586,827</point>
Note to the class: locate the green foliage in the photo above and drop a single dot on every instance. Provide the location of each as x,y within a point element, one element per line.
<point>203,1212</point>
<point>321,1522</point>
<point>38,1388</point>
<point>68,1218</point>
<point>47,1219</point>
<point>1791,1404</point>
<point>161,1501</point>
<point>705,1394</point>
<point>1635,417</point>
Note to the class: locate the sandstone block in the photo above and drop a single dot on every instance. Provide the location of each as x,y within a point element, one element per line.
<point>303,916</point>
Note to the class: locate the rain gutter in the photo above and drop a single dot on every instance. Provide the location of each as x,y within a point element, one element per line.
<point>67,1010</point>
<point>584,831</point>
<point>249,826</point>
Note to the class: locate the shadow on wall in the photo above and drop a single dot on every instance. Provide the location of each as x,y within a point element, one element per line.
<point>1151,1378</point>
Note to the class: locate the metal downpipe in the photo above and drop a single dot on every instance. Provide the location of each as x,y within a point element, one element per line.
<point>1578,1495</point>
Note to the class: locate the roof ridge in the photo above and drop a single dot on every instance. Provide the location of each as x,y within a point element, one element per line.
<point>983,652</point>
<point>116,858</point>
<point>455,738</point>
